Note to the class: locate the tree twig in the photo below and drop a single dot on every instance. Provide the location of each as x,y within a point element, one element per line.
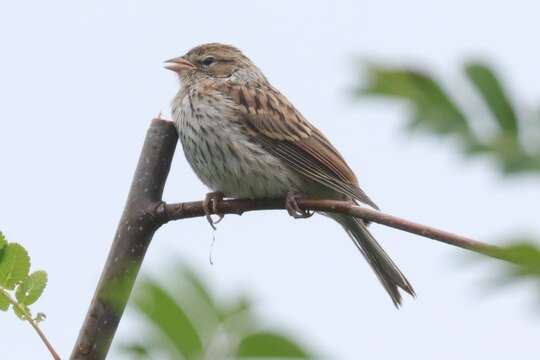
<point>239,206</point>
<point>32,322</point>
<point>145,212</point>
<point>134,233</point>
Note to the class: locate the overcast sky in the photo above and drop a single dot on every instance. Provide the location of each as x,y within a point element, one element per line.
<point>81,80</point>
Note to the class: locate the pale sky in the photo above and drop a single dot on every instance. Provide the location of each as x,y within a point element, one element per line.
<point>81,80</point>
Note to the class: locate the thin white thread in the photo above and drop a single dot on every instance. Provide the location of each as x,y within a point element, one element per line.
<point>211,251</point>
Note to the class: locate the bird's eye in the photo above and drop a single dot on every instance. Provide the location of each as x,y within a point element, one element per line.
<point>208,60</point>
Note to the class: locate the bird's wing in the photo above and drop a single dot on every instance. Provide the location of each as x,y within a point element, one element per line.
<point>270,117</point>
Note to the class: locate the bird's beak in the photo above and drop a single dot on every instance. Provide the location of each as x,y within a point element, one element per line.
<point>178,64</point>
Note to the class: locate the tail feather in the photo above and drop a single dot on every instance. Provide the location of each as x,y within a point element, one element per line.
<point>386,270</point>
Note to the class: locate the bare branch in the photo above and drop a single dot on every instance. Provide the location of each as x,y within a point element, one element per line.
<point>134,233</point>
<point>145,212</point>
<point>239,206</point>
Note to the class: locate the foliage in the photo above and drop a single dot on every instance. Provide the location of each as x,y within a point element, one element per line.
<point>186,321</point>
<point>524,261</point>
<point>28,288</point>
<point>435,112</point>
<point>15,279</point>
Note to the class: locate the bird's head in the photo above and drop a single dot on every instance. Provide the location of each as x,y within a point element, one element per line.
<point>214,61</point>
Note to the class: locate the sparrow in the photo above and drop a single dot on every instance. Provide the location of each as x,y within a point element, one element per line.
<point>244,139</point>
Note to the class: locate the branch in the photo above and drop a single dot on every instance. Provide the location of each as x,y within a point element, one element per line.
<point>239,206</point>
<point>134,233</point>
<point>145,212</point>
<point>28,317</point>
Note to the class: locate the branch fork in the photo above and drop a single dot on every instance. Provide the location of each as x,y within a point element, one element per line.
<point>145,212</point>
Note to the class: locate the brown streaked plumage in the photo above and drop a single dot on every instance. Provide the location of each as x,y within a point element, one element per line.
<point>243,138</point>
<point>269,113</point>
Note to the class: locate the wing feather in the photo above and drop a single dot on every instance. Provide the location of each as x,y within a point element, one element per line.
<point>290,137</point>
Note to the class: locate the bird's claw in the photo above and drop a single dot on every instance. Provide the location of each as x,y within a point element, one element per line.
<point>210,207</point>
<point>292,206</point>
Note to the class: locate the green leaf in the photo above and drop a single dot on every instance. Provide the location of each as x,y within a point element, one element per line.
<point>196,299</point>
<point>523,259</point>
<point>136,351</point>
<point>167,316</point>
<point>239,307</point>
<point>20,314</point>
<point>200,291</point>
<point>238,318</point>
<point>29,291</point>
<point>521,263</point>
<point>269,345</point>
<point>3,241</point>
<point>435,112</point>
<point>491,90</point>
<point>4,302</point>
<point>14,266</point>
<point>433,107</point>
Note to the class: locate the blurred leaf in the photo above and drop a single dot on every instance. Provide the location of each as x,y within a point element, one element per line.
<point>241,306</point>
<point>4,302</point>
<point>269,345</point>
<point>167,316</point>
<point>520,262</point>
<point>195,291</point>
<point>3,241</point>
<point>14,265</point>
<point>523,259</point>
<point>199,288</point>
<point>518,161</point>
<point>29,291</point>
<point>136,351</point>
<point>492,92</point>
<point>435,111</point>
<point>238,318</point>
<point>185,327</point>
<point>433,107</point>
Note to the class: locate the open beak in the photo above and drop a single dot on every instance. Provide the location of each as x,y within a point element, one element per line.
<point>178,64</point>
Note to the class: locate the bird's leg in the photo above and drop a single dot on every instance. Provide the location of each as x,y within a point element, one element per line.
<point>212,199</point>
<point>292,206</point>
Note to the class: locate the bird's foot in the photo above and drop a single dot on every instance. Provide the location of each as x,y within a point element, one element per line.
<point>292,206</point>
<point>210,207</point>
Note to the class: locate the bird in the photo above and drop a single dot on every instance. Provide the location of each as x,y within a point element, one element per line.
<point>244,139</point>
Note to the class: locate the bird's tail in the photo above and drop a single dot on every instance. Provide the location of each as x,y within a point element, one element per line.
<point>385,269</point>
